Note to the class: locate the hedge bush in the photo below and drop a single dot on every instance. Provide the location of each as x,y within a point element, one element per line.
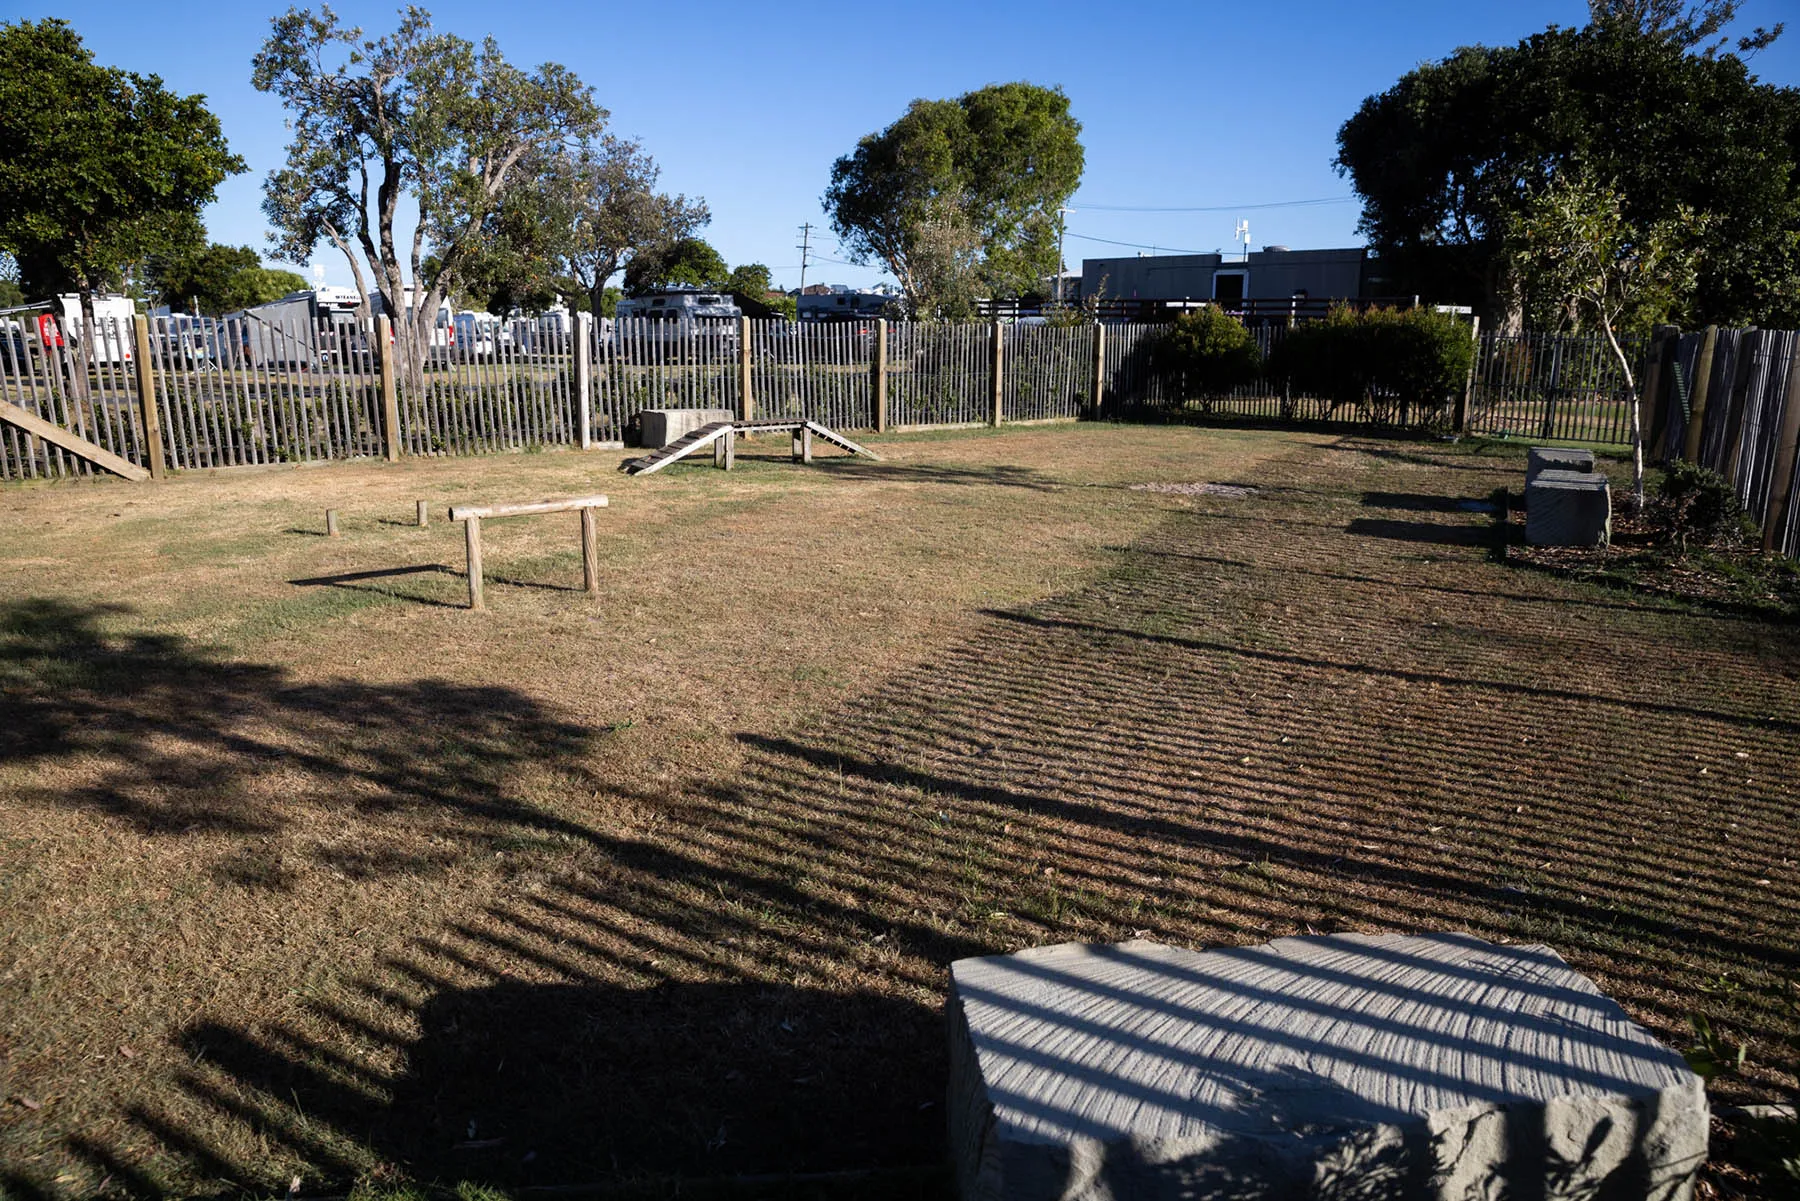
<point>1207,353</point>
<point>1389,362</point>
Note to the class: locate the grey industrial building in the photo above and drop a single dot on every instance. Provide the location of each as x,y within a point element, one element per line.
<point>1274,271</point>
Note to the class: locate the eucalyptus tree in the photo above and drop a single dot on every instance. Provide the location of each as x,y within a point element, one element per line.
<point>413,139</point>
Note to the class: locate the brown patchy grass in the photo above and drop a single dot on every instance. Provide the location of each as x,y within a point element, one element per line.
<point>340,881</point>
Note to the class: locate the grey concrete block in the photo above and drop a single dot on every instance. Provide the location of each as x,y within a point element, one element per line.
<point>1555,458</point>
<point>1369,1066</point>
<point>1568,508</point>
<point>659,427</point>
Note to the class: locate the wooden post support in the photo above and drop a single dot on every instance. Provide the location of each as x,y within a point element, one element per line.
<point>1652,411</point>
<point>881,373</point>
<point>997,365</point>
<point>748,407</point>
<point>730,441</point>
<point>1099,370</point>
<point>1787,448</point>
<point>806,444</point>
<point>1696,425</point>
<point>146,382</point>
<point>590,552</point>
<point>424,514</point>
<point>390,395</point>
<point>472,540</point>
<point>331,527</point>
<point>1468,388</point>
<point>584,379</point>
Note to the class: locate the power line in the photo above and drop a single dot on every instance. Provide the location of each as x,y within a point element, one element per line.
<point>1141,245</point>
<point>1219,208</point>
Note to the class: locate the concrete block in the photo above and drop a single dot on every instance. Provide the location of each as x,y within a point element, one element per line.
<point>1568,508</point>
<point>1555,458</point>
<point>659,427</point>
<point>1371,1066</point>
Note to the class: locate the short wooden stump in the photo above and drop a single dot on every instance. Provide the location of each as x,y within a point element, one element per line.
<point>1429,1066</point>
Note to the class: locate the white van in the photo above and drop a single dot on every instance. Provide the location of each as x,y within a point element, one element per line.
<point>114,339</point>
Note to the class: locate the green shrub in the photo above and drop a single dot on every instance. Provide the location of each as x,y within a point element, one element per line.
<point>1383,361</point>
<point>1207,353</point>
<point>1699,506</point>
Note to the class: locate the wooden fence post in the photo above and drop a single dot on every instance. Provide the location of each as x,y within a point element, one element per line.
<point>997,364</point>
<point>744,385</point>
<point>881,360</point>
<point>146,382</point>
<point>590,552</point>
<point>1099,370</point>
<point>1696,425</point>
<point>390,397</point>
<point>472,542</point>
<point>1468,389</point>
<point>1787,445</point>
<point>1652,412</point>
<point>584,378</point>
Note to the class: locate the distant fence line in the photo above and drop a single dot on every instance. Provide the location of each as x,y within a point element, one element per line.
<point>240,392</point>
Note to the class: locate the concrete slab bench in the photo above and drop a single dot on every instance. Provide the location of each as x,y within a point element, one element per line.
<point>1393,1066</point>
<point>1555,458</point>
<point>1568,508</point>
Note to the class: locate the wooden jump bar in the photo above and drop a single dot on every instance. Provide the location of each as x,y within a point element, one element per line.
<point>471,515</point>
<point>526,508</point>
<point>722,435</point>
<point>75,444</point>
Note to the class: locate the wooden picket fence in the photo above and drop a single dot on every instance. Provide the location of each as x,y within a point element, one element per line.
<point>240,392</point>
<point>1729,399</point>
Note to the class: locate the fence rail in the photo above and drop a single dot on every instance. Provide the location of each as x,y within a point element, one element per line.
<point>239,392</point>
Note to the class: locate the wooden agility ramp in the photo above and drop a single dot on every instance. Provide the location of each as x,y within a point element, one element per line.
<point>722,437</point>
<point>75,444</point>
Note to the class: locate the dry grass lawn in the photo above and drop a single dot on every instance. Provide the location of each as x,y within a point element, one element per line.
<point>308,871</point>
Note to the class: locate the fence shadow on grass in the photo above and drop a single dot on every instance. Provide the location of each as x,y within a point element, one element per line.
<point>740,983</point>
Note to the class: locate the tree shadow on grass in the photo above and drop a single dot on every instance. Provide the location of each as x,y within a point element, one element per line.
<point>1201,746</point>
<point>174,741</point>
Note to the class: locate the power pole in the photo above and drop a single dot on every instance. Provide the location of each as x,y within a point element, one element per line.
<point>1060,226</point>
<point>804,248</point>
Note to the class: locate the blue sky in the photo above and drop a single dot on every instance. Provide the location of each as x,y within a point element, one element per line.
<point>1183,105</point>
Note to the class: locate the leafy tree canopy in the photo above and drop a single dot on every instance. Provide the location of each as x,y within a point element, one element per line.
<point>961,195</point>
<point>98,167</point>
<point>1687,24</point>
<point>415,115</point>
<point>684,263</point>
<point>1447,157</point>
<point>215,279</point>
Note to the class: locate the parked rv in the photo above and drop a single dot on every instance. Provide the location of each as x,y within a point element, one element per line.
<point>112,338</point>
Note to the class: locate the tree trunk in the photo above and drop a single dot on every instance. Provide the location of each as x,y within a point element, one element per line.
<point>1637,420</point>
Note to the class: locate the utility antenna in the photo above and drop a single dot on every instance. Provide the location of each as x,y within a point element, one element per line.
<point>1243,235</point>
<point>804,248</point>
<point>1060,266</point>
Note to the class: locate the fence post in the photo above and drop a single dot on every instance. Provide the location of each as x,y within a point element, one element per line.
<point>1696,426</point>
<point>584,380</point>
<point>1665,343</point>
<point>146,382</point>
<point>749,400</point>
<point>881,414</point>
<point>1468,390</point>
<point>1787,444</point>
<point>1099,370</point>
<point>997,365</point>
<point>390,397</point>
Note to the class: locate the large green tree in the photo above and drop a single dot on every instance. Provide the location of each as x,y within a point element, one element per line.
<point>684,263</point>
<point>416,117</point>
<point>959,196</point>
<point>217,279</point>
<point>99,167</point>
<point>1446,158</point>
